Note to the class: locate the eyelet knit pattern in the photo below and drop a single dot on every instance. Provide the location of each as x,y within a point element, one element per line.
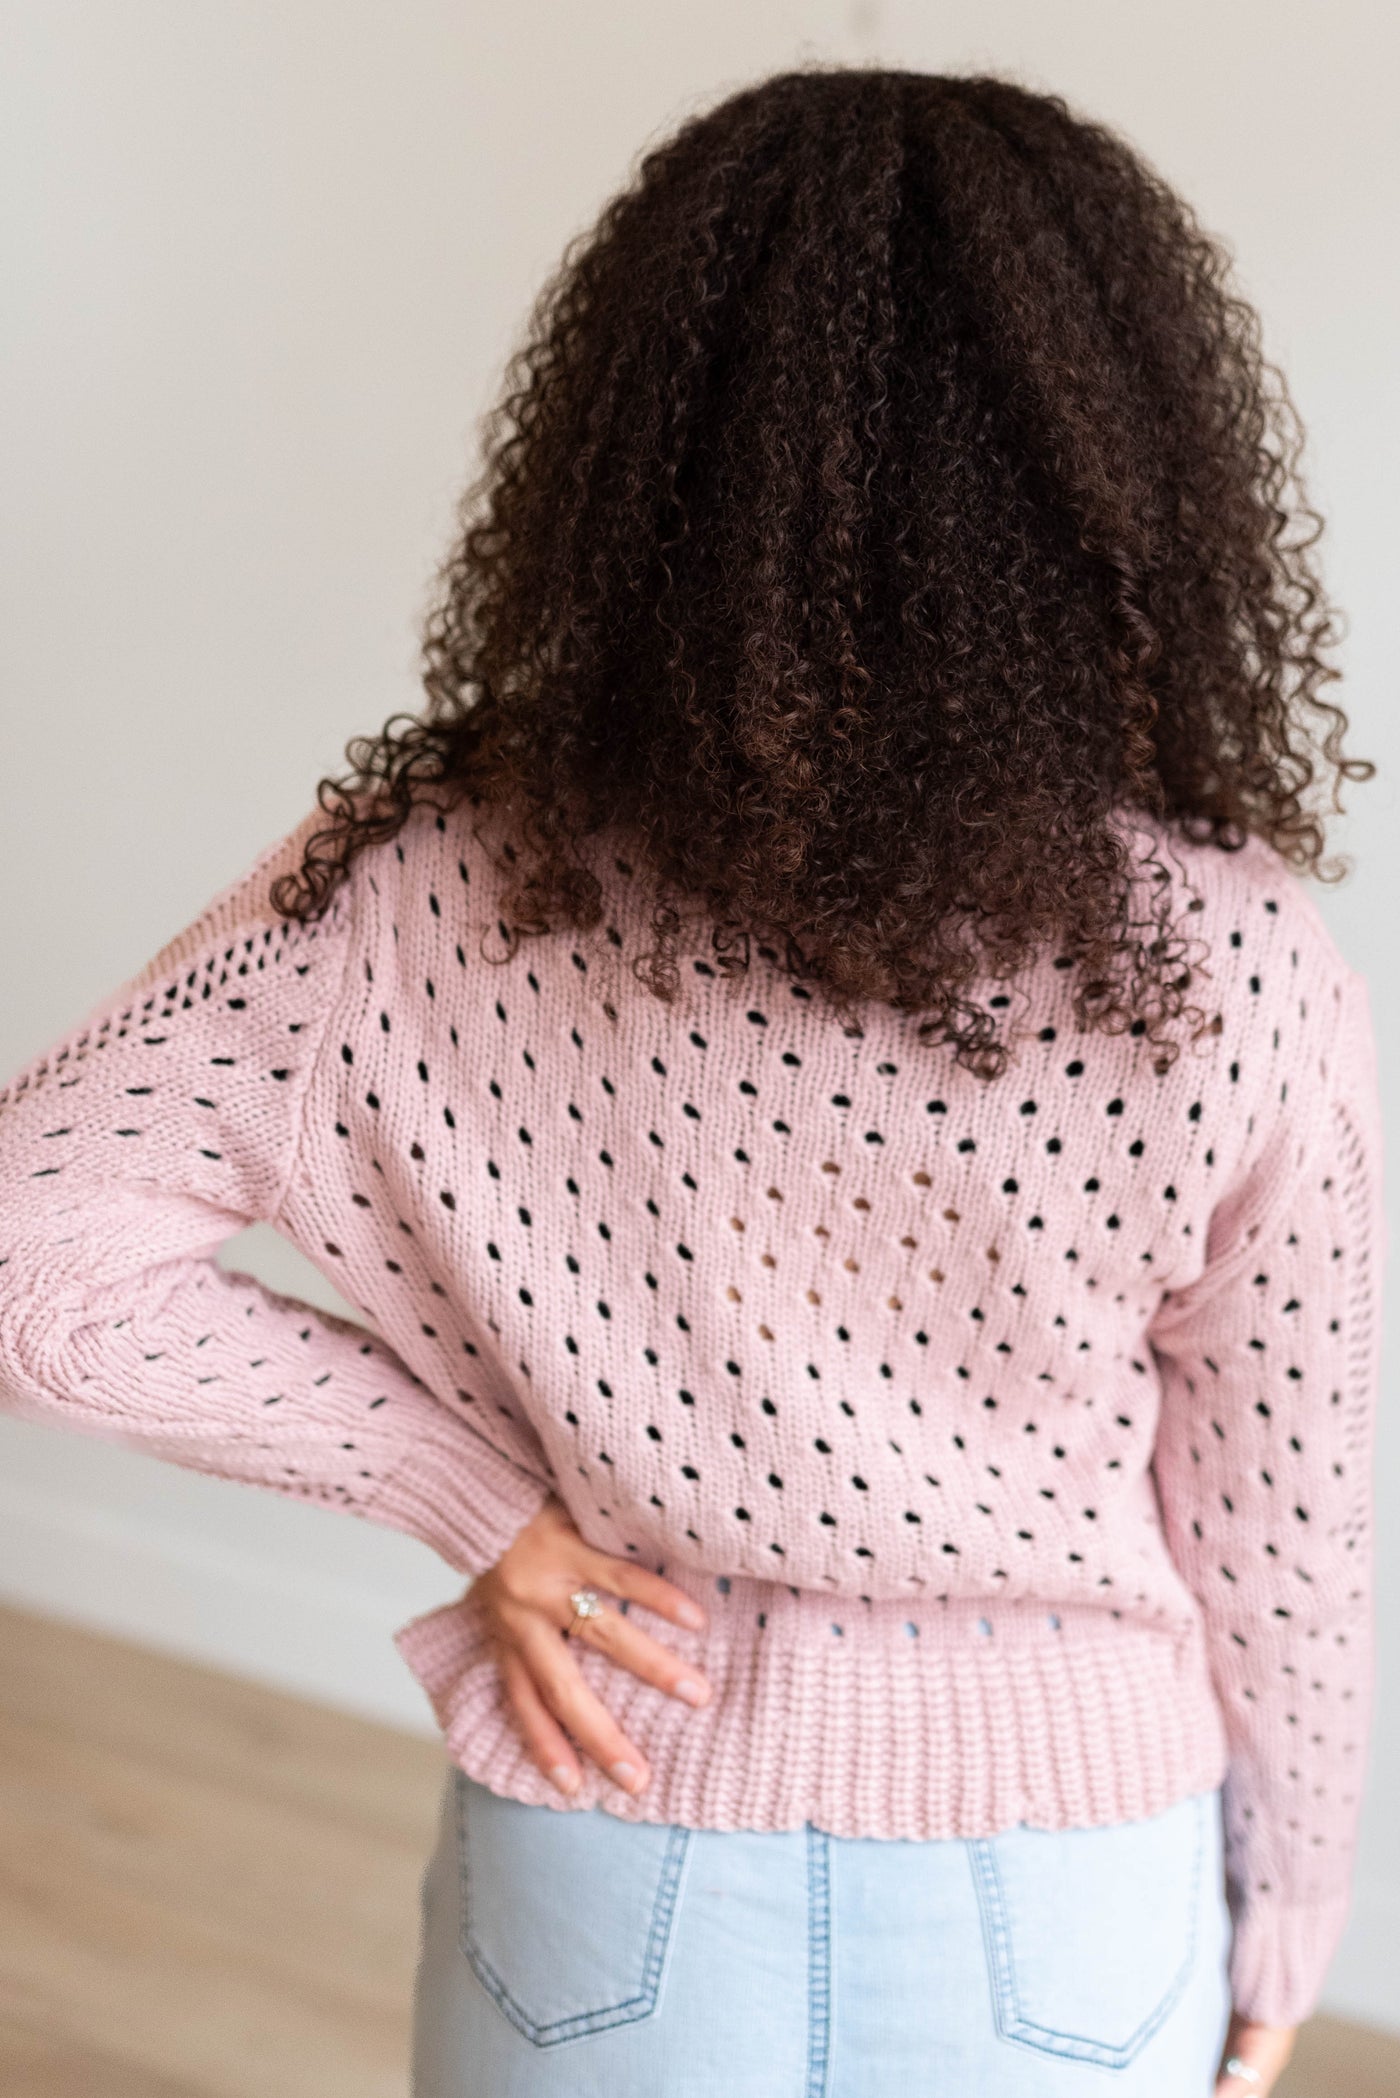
<point>1015,1435</point>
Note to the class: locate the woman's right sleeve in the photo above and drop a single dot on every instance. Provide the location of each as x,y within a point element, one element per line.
<point>130,1149</point>
<point>1270,1379</point>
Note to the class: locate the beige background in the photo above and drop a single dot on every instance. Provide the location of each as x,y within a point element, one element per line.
<point>262,262</point>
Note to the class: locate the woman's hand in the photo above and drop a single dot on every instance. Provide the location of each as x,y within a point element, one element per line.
<point>1262,2047</point>
<point>525,1598</point>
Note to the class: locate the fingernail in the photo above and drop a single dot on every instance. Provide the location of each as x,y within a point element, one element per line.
<point>691,1614</point>
<point>626,1775</point>
<point>691,1691</point>
<point>564,1778</point>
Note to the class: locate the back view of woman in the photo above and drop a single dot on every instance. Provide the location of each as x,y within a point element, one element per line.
<point>856,1149</point>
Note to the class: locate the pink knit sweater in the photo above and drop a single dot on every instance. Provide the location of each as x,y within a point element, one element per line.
<point>1015,1435</point>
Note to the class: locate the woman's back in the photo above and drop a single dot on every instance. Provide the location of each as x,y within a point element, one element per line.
<point>752,1276</point>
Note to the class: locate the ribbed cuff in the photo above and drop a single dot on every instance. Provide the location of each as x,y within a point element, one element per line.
<point>1280,1956</point>
<point>462,1497</point>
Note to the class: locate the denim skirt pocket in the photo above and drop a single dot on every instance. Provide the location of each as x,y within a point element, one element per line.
<point>566,1914</point>
<point>1091,1933</point>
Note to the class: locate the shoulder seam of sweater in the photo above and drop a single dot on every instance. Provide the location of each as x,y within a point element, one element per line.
<point>339,917</point>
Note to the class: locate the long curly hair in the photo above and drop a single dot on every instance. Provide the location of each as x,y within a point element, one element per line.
<point>889,492</point>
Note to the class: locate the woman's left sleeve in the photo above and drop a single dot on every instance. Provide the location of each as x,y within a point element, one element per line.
<point>130,1149</point>
<point>1269,1366</point>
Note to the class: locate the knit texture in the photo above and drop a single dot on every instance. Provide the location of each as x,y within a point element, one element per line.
<point>1015,1435</point>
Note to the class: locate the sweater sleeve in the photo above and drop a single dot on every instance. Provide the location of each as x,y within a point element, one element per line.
<point>1269,1366</point>
<point>129,1150</point>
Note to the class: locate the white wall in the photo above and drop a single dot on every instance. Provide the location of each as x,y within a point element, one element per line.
<point>263,261</point>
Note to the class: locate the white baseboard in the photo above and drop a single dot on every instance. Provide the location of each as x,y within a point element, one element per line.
<point>1362,1984</point>
<point>256,1614</point>
<point>310,1631</point>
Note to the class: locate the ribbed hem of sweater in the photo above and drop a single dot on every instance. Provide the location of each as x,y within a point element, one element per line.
<point>1280,1957</point>
<point>468,1512</point>
<point>1088,1726</point>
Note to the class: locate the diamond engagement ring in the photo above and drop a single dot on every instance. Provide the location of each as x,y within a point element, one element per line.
<point>1235,2067</point>
<point>587,1603</point>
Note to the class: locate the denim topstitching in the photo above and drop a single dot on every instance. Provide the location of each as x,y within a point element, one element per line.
<point>1011,2022</point>
<point>818,1961</point>
<point>580,2023</point>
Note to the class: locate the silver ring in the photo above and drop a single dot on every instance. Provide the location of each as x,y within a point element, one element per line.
<point>587,1603</point>
<point>1235,2067</point>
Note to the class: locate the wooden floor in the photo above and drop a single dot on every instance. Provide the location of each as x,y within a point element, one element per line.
<point>210,1890</point>
<point>207,1889</point>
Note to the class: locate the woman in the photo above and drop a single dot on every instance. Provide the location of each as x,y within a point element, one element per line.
<point>858,1152</point>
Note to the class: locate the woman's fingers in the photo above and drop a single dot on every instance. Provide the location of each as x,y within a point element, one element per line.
<point>635,1585</point>
<point>610,1633</point>
<point>545,1739</point>
<point>587,1719</point>
<point>526,1598</point>
<point>1264,2048</point>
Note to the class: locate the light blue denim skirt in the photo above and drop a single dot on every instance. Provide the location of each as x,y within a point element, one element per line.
<point>572,1954</point>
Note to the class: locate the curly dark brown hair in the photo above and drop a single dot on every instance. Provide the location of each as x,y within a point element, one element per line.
<point>890,490</point>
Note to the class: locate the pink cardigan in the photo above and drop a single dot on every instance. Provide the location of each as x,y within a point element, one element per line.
<point>1015,1436</point>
